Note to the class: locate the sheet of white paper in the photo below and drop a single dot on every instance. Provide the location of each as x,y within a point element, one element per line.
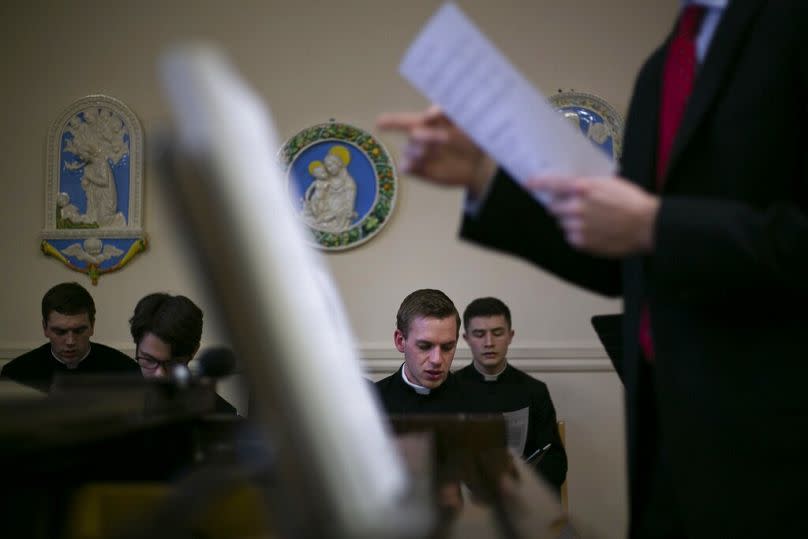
<point>453,64</point>
<point>516,423</point>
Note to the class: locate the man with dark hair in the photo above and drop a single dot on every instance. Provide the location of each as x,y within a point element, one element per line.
<point>68,318</point>
<point>167,331</point>
<point>427,328</point>
<point>495,386</point>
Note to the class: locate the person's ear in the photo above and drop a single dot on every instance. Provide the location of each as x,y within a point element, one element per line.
<point>399,340</point>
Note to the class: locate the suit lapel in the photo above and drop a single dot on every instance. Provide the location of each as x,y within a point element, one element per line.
<point>639,146</point>
<point>728,38</point>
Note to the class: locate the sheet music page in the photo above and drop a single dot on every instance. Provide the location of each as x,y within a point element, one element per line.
<point>453,64</point>
<point>516,423</point>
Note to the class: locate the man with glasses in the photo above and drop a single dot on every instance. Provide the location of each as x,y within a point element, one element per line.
<point>68,321</point>
<point>167,330</point>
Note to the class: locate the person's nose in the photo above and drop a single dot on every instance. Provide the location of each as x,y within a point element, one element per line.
<point>70,338</point>
<point>436,356</point>
<point>489,340</point>
<point>160,371</point>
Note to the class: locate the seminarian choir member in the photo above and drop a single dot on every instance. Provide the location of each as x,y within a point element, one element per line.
<point>496,386</point>
<point>68,320</point>
<point>427,329</point>
<point>167,331</point>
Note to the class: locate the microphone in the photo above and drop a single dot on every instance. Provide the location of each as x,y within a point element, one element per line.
<point>216,362</point>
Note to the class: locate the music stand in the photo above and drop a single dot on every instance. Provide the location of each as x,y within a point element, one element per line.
<point>609,328</point>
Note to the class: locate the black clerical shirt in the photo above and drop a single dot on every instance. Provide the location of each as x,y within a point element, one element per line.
<point>514,390</point>
<point>38,367</point>
<point>400,398</point>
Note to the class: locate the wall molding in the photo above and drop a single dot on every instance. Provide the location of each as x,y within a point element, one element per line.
<point>380,360</point>
<point>534,359</point>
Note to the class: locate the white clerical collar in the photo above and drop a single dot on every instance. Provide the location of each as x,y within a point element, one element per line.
<point>70,365</point>
<point>421,390</point>
<point>490,377</point>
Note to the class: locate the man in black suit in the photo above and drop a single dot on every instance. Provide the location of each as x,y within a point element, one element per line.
<point>706,238</point>
<point>68,320</point>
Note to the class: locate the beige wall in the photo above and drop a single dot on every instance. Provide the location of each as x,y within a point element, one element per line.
<point>313,61</point>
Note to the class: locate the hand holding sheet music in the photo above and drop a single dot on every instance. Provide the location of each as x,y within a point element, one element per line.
<point>487,107</point>
<point>456,67</point>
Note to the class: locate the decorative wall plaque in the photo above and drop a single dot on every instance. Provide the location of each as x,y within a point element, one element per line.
<point>93,196</point>
<point>595,117</point>
<point>342,183</point>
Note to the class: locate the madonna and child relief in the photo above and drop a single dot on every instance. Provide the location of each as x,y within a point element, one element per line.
<point>341,182</point>
<point>329,201</point>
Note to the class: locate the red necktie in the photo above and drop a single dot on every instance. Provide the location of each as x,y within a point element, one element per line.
<point>677,84</point>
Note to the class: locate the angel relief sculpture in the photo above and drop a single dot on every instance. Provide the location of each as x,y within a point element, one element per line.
<point>94,187</point>
<point>97,142</point>
<point>92,251</point>
<point>329,202</point>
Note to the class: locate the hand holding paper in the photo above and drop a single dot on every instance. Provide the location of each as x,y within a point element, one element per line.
<point>488,107</point>
<point>607,216</point>
<point>455,66</point>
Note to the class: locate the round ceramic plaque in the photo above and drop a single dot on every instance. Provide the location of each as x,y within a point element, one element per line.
<point>596,119</point>
<point>342,183</point>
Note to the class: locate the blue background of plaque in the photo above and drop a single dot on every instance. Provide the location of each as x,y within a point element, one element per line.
<point>360,168</point>
<point>586,118</point>
<point>70,180</point>
<point>124,244</point>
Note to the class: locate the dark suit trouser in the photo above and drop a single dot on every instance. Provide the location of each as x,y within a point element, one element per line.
<point>660,513</point>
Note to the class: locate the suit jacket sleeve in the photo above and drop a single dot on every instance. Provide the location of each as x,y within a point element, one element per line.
<point>733,219</point>
<point>731,248</point>
<point>511,220</point>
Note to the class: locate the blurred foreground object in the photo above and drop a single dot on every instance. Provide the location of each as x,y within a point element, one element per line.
<point>339,471</point>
